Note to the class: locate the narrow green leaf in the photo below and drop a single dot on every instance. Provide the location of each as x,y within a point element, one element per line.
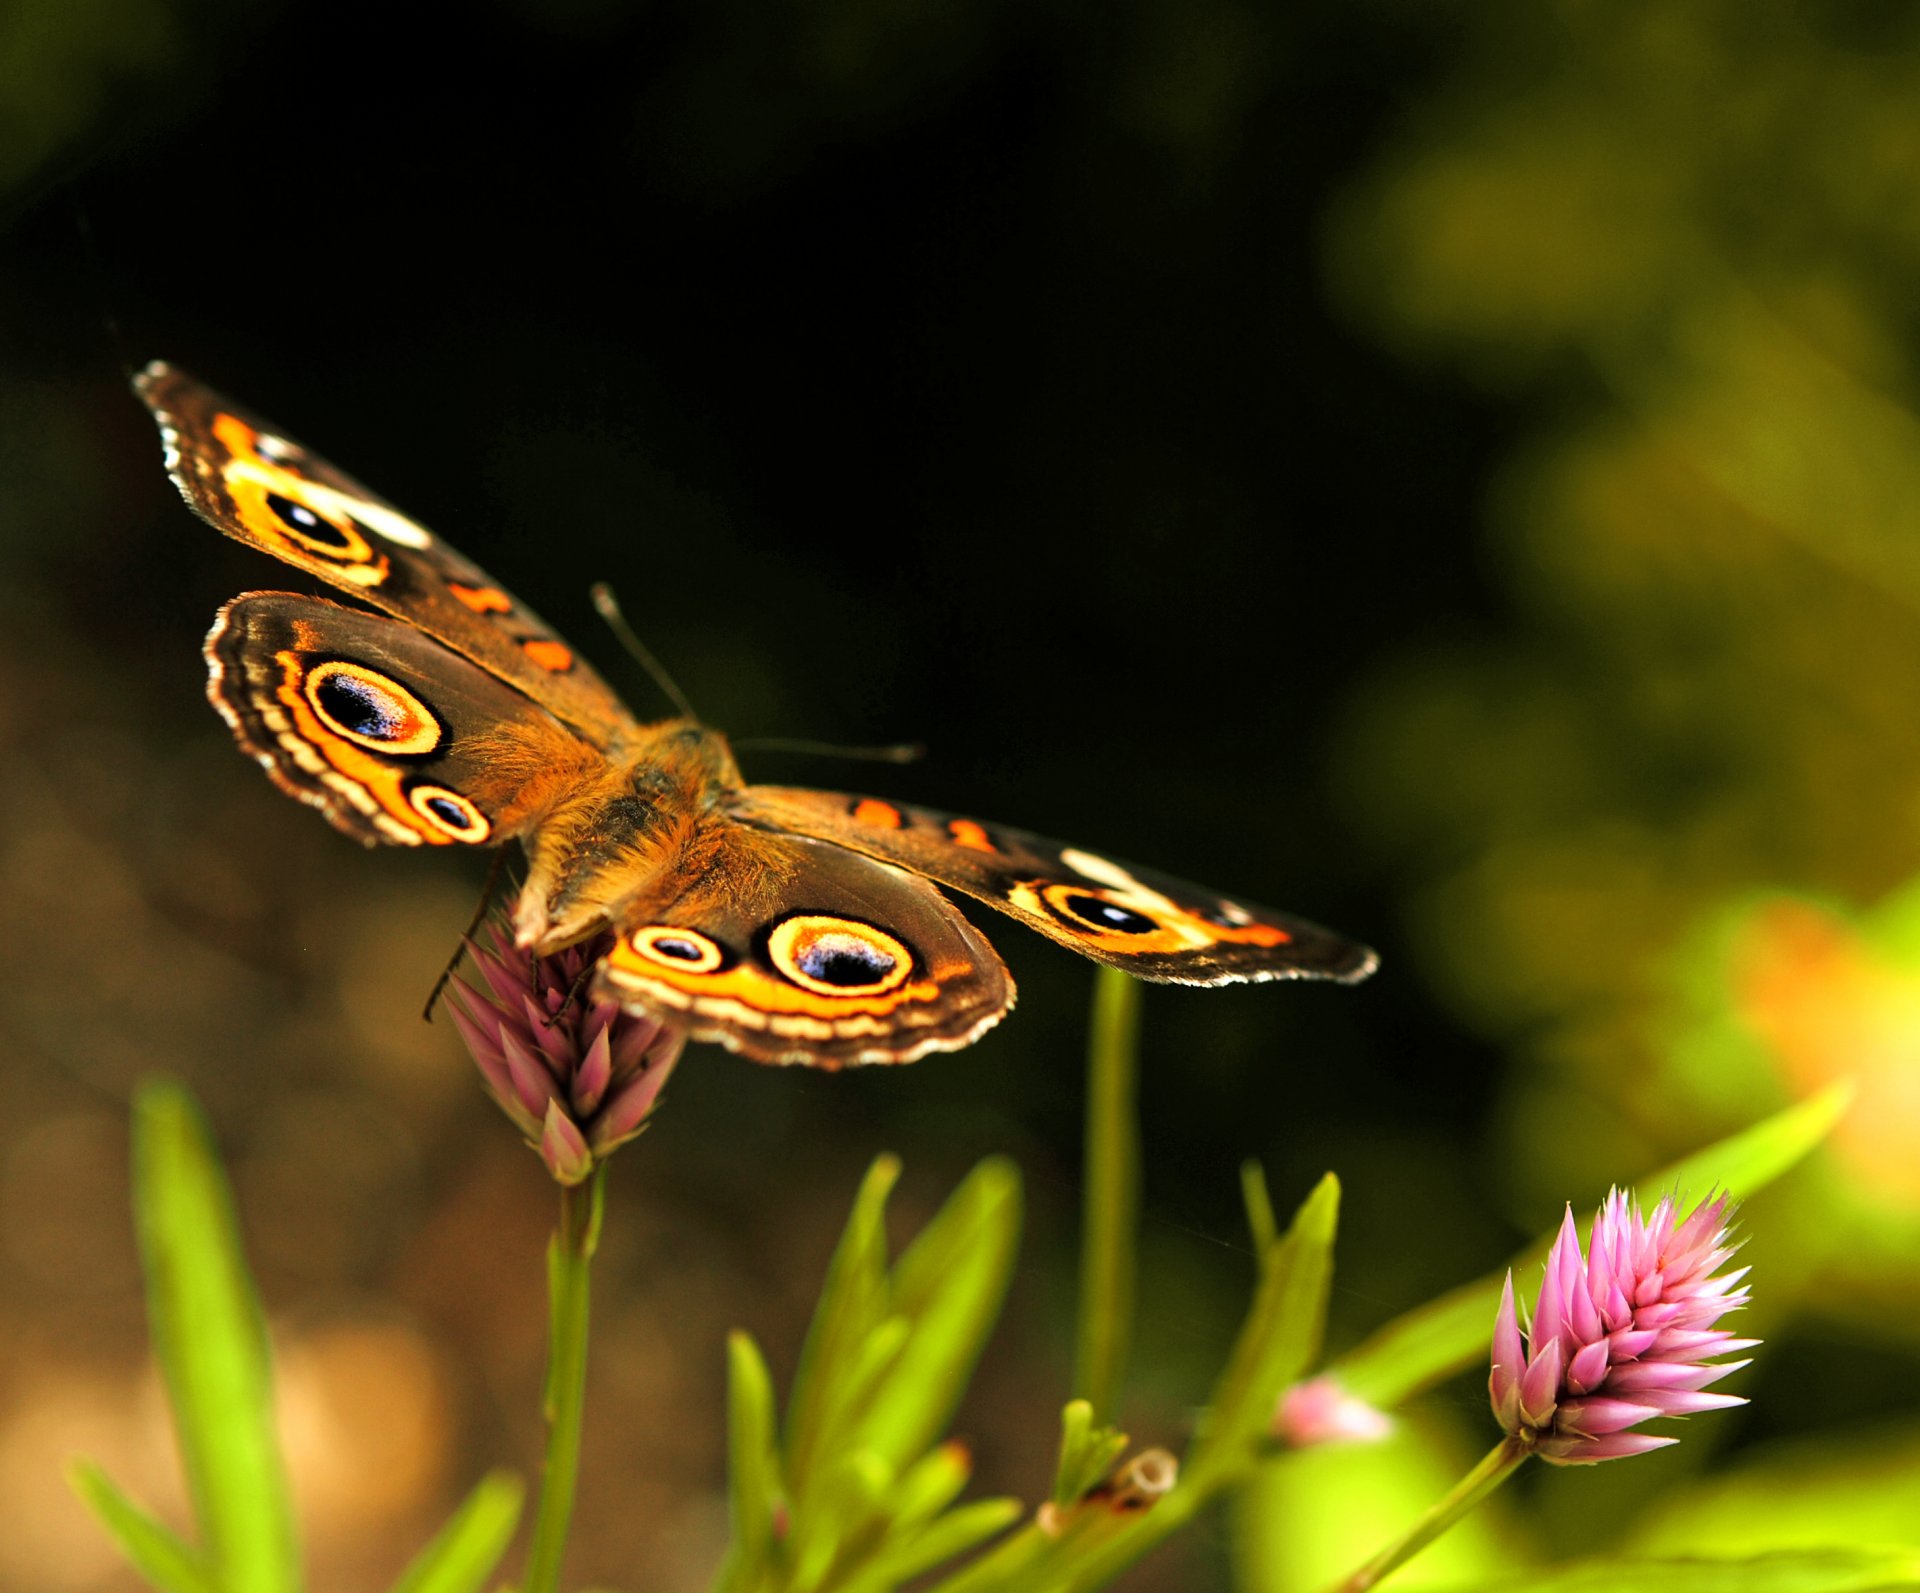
<point>931,1484</point>
<point>150,1548</point>
<point>948,1288</point>
<point>1279,1341</point>
<point>753,1475</point>
<point>952,1534</point>
<point>852,1302</point>
<point>1451,1333</point>
<point>211,1342</point>
<point>1259,1204</point>
<point>465,1552</point>
<point>1110,1193</point>
<point>1834,1570</point>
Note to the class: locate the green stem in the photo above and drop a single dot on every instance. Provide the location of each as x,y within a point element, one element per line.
<point>569,1257</point>
<point>1111,1196</point>
<point>1500,1463</point>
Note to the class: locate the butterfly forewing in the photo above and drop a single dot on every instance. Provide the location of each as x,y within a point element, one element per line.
<point>255,483</point>
<point>1150,924</point>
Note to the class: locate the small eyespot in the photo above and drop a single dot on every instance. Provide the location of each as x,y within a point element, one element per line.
<point>838,956</point>
<point>686,950</point>
<point>1096,911</point>
<point>450,813</point>
<point>309,527</point>
<point>371,710</point>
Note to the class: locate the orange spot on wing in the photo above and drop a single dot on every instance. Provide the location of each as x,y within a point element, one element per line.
<point>883,815</point>
<point>554,657</point>
<point>967,833</point>
<point>481,599</point>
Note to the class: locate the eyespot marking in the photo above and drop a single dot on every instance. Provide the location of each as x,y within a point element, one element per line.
<point>838,956</point>
<point>686,950</point>
<point>554,657</point>
<point>1098,912</point>
<point>481,599</point>
<point>371,710</point>
<point>449,812</point>
<point>882,815</point>
<point>967,833</point>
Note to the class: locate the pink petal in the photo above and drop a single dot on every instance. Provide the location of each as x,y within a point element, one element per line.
<point>1540,1386</point>
<point>1591,1451</point>
<point>1681,1403</point>
<point>1588,1368</point>
<point>531,1082</point>
<point>563,1148</point>
<point>1598,1414</point>
<point>1653,1376</point>
<point>1509,1361</point>
<point>592,1075</point>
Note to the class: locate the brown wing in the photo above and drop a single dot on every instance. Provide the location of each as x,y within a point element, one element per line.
<point>1150,924</point>
<point>394,737</point>
<point>795,950</point>
<point>250,480</point>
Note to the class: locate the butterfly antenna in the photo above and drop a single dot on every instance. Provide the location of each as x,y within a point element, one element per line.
<point>494,871</point>
<point>609,607</point>
<point>899,752</point>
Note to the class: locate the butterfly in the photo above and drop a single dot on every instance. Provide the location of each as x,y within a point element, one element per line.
<point>789,925</point>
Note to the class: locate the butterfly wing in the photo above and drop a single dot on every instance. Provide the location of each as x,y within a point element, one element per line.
<point>1147,923</point>
<point>250,480</point>
<point>391,735</point>
<point>790,949</point>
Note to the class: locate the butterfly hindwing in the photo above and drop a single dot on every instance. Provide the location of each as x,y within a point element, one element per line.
<point>393,736</point>
<point>253,482</point>
<point>1147,923</point>
<point>789,949</point>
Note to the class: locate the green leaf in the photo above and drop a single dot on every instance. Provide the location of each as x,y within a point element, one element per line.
<point>1836,1570</point>
<point>211,1341</point>
<point>150,1548</point>
<point>947,1289</point>
<point>1446,1335</point>
<point>1110,1193</point>
<point>753,1468</point>
<point>952,1534</point>
<point>465,1552</point>
<point>1280,1339</point>
<point>853,1302</point>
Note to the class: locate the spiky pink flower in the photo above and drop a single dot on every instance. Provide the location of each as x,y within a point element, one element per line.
<point>577,1076</point>
<point>1620,1336</point>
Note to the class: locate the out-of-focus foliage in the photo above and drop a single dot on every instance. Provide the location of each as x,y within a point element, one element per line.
<point>210,1340</point>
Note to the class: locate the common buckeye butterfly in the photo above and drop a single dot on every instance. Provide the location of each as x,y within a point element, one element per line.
<point>789,925</point>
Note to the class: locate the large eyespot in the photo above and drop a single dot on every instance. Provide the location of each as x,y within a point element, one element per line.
<point>318,533</point>
<point>838,956</point>
<point>1097,912</point>
<point>371,710</point>
<point>687,950</point>
<point>450,813</point>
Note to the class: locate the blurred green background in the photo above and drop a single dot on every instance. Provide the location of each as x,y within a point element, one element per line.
<point>1451,471</point>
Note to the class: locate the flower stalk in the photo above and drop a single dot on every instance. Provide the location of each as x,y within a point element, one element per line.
<point>569,1262</point>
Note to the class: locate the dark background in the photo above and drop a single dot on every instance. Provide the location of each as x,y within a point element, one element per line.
<point>1200,424</point>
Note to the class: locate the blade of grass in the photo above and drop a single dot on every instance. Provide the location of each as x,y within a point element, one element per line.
<point>464,1553</point>
<point>210,1339</point>
<point>1110,1194</point>
<point>1449,1334</point>
<point>753,1469</point>
<point>153,1551</point>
